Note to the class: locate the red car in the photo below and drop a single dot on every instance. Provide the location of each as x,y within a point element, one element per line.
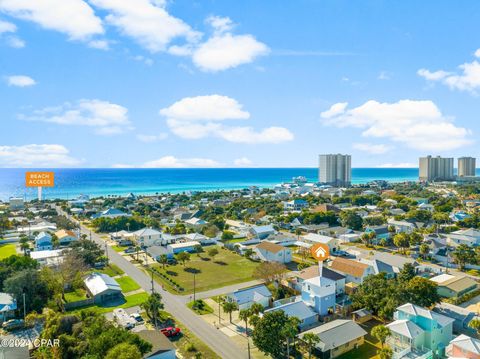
<point>170,331</point>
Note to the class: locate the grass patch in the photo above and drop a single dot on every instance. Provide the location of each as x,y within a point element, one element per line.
<point>112,270</point>
<point>369,348</point>
<point>127,284</point>
<point>79,294</point>
<point>7,250</point>
<point>130,301</point>
<point>119,248</point>
<point>235,240</point>
<point>200,307</point>
<point>224,269</point>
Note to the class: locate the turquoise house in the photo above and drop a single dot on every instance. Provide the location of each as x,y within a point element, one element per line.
<point>419,333</point>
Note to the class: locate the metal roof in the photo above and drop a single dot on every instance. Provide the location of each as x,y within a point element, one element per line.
<point>98,283</point>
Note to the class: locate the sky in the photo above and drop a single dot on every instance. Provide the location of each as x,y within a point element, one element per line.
<point>157,83</point>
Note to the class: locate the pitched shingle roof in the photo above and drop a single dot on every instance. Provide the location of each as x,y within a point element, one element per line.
<point>270,247</point>
<point>349,266</point>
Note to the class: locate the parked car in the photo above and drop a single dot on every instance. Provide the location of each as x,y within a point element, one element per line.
<point>13,324</point>
<point>130,250</point>
<point>171,261</point>
<point>138,318</point>
<point>342,254</point>
<point>170,331</point>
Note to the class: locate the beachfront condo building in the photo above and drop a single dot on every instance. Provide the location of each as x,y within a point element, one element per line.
<point>466,166</point>
<point>435,169</point>
<point>335,170</point>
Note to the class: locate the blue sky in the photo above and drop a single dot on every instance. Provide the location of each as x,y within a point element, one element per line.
<point>148,83</point>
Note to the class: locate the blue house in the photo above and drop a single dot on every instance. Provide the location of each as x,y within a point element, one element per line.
<point>247,296</point>
<point>300,310</point>
<point>8,306</point>
<point>43,241</point>
<point>381,232</point>
<point>319,293</point>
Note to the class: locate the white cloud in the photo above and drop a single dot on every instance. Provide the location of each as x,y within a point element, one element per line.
<point>242,162</point>
<point>151,138</point>
<point>146,21</point>
<point>6,26</point>
<point>383,75</point>
<point>398,165</point>
<point>203,116</point>
<point>33,155</point>
<point>467,79</point>
<point>105,117</point>
<point>146,60</point>
<point>372,148</point>
<point>335,110</point>
<point>15,42</point>
<point>99,44</point>
<point>173,162</point>
<point>224,51</point>
<point>211,107</point>
<point>20,81</point>
<point>72,17</point>
<point>416,124</point>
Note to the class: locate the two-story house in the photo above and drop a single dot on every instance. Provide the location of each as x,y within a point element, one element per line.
<point>319,293</point>
<point>419,333</point>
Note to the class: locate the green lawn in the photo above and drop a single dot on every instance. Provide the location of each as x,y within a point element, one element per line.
<point>370,347</point>
<point>79,294</point>
<point>202,307</point>
<point>130,301</point>
<point>118,248</point>
<point>127,284</point>
<point>112,270</point>
<point>226,268</point>
<point>7,250</point>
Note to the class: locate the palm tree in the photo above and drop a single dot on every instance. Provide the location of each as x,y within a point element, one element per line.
<point>290,330</point>
<point>137,248</point>
<point>152,306</point>
<point>256,308</point>
<point>229,307</point>
<point>310,340</point>
<point>475,324</point>
<point>163,259</point>
<point>244,315</point>
<point>385,353</point>
<point>24,246</point>
<point>248,253</point>
<point>381,332</point>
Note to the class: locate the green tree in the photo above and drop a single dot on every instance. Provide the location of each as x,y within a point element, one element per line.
<point>183,257</point>
<point>310,340</point>
<point>30,283</point>
<point>163,260</point>
<point>212,252</point>
<point>401,240</point>
<point>248,253</point>
<point>424,250</point>
<point>380,332</point>
<point>385,353</point>
<point>351,220</point>
<point>463,255</point>
<point>229,307</point>
<point>153,306</point>
<point>290,331</point>
<point>89,251</point>
<point>267,334</point>
<point>475,324</point>
<point>124,351</point>
<point>407,273</point>
<point>421,291</point>
<point>245,315</point>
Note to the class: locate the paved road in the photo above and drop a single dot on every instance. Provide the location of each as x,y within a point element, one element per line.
<point>175,305</point>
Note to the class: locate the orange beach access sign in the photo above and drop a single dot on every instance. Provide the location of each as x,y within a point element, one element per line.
<point>39,179</point>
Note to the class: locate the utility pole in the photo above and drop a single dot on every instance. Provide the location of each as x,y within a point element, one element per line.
<point>155,307</point>
<point>24,307</point>
<point>248,346</point>
<point>194,286</point>
<point>219,317</point>
<point>106,252</point>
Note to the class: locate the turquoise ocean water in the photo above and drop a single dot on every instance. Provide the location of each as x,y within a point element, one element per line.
<point>69,183</point>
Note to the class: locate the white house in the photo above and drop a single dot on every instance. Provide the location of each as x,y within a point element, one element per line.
<point>272,252</point>
<point>295,205</point>
<point>470,237</point>
<point>402,226</point>
<point>247,296</point>
<point>313,238</point>
<point>147,237</point>
<point>261,232</point>
<point>195,222</point>
<point>111,213</point>
<point>102,287</point>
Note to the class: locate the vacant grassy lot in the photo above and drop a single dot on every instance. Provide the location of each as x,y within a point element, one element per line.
<point>225,268</point>
<point>79,294</point>
<point>112,270</point>
<point>7,250</point>
<point>118,248</point>
<point>130,301</point>
<point>127,284</point>
<point>200,307</point>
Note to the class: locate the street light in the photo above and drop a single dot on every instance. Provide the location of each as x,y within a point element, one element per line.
<point>194,285</point>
